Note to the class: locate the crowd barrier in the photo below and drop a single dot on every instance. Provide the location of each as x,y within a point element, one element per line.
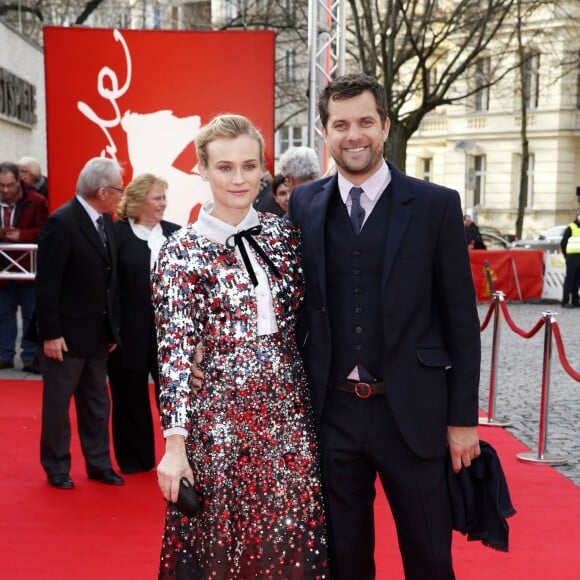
<point>18,261</point>
<point>497,309</point>
<point>519,274</point>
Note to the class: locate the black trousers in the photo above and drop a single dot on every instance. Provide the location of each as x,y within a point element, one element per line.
<point>133,435</point>
<point>572,279</point>
<point>83,378</point>
<point>360,440</point>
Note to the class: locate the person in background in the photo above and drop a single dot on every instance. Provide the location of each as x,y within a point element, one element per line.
<point>78,323</point>
<point>23,212</point>
<point>472,234</point>
<point>280,193</point>
<point>140,231</point>
<point>390,338</point>
<point>570,246</point>
<point>245,438</point>
<point>299,165</point>
<point>31,174</point>
<point>265,201</point>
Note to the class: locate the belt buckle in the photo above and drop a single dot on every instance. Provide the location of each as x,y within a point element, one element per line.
<point>365,393</point>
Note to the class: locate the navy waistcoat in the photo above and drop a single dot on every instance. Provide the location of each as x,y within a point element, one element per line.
<point>354,268</point>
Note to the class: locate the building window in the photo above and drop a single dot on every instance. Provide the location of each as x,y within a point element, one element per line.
<point>482,69</point>
<point>124,18</point>
<point>476,178</point>
<point>290,66</point>
<point>196,15</point>
<point>578,84</point>
<point>528,179</point>
<point>426,168</point>
<point>532,80</point>
<point>290,136</point>
<point>290,10</point>
<point>235,9</point>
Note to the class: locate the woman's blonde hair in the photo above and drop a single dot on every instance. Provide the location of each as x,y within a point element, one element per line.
<point>226,126</point>
<point>135,194</point>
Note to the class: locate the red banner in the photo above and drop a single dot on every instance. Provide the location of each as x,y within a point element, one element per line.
<point>140,96</point>
<point>518,274</point>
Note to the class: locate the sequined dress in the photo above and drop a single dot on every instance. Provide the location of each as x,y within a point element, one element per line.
<point>251,440</point>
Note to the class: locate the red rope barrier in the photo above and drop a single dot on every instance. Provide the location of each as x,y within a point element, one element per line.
<point>487,317</point>
<point>516,328</point>
<point>562,354</point>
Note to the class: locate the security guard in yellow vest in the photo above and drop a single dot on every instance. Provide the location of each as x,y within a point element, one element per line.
<point>570,245</point>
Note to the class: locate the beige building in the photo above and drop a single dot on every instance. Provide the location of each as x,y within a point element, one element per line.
<point>476,147</point>
<point>22,108</point>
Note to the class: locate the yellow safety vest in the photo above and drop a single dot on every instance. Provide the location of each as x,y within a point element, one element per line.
<point>573,245</point>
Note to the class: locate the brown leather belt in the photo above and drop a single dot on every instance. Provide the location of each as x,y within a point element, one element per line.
<point>360,389</point>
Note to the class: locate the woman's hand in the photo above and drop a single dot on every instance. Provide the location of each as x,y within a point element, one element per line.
<point>172,467</point>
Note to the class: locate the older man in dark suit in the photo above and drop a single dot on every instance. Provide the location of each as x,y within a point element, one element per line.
<point>390,339</point>
<point>77,311</point>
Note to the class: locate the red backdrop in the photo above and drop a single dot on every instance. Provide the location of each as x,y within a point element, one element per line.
<point>140,97</point>
<point>509,270</point>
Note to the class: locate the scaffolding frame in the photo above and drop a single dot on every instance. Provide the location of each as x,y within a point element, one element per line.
<point>326,41</point>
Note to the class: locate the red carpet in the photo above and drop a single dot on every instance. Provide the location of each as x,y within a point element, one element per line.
<point>112,533</point>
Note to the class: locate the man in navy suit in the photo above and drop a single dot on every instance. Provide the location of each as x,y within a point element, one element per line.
<point>390,338</point>
<point>78,323</point>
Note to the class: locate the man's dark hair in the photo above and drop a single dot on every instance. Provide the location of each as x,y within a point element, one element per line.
<point>348,86</point>
<point>8,166</point>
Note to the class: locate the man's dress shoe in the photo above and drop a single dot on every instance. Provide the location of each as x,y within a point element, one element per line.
<point>61,480</point>
<point>107,476</point>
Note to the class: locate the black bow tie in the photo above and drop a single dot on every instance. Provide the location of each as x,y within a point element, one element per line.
<point>236,240</point>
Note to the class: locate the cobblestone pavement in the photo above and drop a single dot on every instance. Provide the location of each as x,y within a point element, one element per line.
<point>519,381</point>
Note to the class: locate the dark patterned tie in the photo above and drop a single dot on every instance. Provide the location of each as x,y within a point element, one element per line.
<point>101,230</point>
<point>357,212</point>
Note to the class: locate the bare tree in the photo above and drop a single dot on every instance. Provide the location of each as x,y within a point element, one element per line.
<point>29,16</point>
<point>420,49</point>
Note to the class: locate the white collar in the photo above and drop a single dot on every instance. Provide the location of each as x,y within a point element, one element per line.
<point>373,186</point>
<point>93,213</point>
<point>218,230</point>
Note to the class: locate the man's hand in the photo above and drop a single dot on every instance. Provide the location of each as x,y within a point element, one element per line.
<point>12,234</point>
<point>196,374</point>
<point>463,446</point>
<point>55,348</point>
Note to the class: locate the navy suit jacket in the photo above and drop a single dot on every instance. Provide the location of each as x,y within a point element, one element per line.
<point>76,281</point>
<point>431,327</point>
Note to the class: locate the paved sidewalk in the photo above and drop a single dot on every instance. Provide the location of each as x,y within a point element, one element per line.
<point>519,381</point>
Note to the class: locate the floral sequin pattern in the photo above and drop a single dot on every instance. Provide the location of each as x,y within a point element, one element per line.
<point>251,438</point>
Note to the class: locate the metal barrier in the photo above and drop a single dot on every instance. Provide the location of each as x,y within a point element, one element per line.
<point>542,456</point>
<point>491,420</point>
<point>499,307</point>
<point>18,261</point>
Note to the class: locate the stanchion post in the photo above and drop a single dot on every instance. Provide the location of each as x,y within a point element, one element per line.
<point>542,456</point>
<point>491,420</point>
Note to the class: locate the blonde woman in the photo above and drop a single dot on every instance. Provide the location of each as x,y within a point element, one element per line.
<point>140,232</point>
<point>245,438</point>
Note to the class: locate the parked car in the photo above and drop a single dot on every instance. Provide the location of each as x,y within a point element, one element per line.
<point>548,240</point>
<point>496,232</point>
<point>493,241</point>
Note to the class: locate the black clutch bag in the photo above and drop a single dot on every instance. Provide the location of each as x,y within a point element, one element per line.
<point>188,501</point>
